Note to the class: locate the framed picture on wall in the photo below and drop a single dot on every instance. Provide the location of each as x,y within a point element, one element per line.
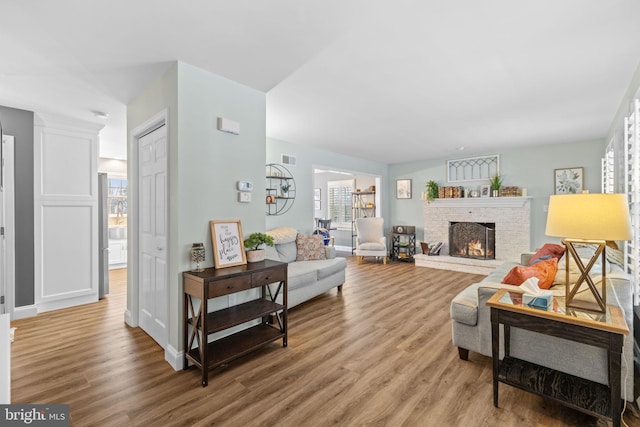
<point>568,180</point>
<point>228,243</point>
<point>403,189</point>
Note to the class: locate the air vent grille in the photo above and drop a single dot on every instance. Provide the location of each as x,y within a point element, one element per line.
<point>288,159</point>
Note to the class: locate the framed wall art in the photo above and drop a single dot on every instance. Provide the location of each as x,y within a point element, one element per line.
<point>568,180</point>
<point>403,189</point>
<point>228,243</point>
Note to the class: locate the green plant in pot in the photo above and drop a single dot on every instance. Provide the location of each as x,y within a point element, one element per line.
<point>432,190</point>
<point>284,189</point>
<point>253,245</point>
<point>495,182</point>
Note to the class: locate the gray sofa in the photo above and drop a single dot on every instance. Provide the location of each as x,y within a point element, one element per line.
<point>306,279</point>
<point>471,330</point>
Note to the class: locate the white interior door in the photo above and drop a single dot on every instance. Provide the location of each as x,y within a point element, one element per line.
<point>154,307</point>
<point>7,227</point>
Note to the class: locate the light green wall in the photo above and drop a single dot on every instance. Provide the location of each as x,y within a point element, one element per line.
<point>530,167</point>
<point>204,163</point>
<point>301,214</point>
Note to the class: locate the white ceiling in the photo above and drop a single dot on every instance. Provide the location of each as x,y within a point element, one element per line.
<point>392,81</point>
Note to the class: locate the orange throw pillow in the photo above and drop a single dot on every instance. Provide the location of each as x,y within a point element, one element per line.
<point>545,271</point>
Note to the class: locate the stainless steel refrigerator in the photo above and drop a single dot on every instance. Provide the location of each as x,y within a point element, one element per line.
<point>103,236</point>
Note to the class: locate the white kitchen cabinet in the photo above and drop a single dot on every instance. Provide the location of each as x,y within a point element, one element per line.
<point>117,254</point>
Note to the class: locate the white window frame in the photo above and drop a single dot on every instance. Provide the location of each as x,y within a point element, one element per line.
<point>344,216</point>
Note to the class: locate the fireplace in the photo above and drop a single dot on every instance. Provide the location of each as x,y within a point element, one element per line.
<point>472,240</point>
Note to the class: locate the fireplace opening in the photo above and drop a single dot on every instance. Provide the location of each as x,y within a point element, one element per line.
<point>472,240</point>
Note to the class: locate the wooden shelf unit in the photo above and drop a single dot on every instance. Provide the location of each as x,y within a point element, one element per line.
<point>199,323</point>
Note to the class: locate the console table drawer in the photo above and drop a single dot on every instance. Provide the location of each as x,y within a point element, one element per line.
<point>229,286</point>
<point>267,277</point>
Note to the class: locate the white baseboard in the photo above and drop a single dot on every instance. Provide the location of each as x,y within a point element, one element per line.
<point>174,357</point>
<point>343,248</point>
<point>50,305</point>
<point>128,319</point>
<point>24,311</point>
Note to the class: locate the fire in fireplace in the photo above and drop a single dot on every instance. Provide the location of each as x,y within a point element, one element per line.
<point>472,240</point>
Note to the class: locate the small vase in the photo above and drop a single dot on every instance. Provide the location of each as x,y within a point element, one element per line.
<point>256,255</point>
<point>496,193</point>
<point>197,255</point>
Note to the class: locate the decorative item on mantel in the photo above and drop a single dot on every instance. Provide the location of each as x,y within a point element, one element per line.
<point>431,192</point>
<point>198,255</point>
<point>451,192</point>
<point>252,244</point>
<point>495,182</point>
<point>511,191</point>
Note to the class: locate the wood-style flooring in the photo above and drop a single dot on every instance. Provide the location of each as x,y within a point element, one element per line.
<point>378,354</point>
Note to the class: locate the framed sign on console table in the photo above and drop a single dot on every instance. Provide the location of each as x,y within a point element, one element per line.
<point>228,243</point>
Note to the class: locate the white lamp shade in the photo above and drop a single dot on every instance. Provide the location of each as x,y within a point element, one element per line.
<point>589,217</point>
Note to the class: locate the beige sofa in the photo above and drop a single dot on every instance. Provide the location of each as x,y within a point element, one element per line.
<point>306,279</point>
<point>471,330</point>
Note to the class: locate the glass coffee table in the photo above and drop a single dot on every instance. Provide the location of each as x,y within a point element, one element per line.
<point>605,330</point>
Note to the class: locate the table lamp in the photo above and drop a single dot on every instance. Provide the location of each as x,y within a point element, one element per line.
<point>588,219</point>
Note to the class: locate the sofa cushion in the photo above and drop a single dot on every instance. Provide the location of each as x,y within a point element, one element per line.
<point>301,273</point>
<point>545,271</point>
<point>329,267</point>
<point>272,253</point>
<point>310,248</point>
<point>287,251</point>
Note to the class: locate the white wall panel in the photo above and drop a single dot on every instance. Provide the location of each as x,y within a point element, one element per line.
<point>67,266</point>
<point>66,212</point>
<point>66,164</point>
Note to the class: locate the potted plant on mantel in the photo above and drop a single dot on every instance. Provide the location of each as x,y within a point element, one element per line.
<point>253,244</point>
<point>432,191</point>
<point>495,182</point>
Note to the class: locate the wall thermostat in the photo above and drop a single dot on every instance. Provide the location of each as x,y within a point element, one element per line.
<point>245,186</point>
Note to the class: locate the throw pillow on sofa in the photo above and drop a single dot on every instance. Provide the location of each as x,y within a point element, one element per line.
<point>545,271</point>
<point>310,247</point>
<point>552,250</point>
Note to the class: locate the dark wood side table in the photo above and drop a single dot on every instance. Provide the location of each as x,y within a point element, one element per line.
<point>199,323</point>
<point>605,330</point>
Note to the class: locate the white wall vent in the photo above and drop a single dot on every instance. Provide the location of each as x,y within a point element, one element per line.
<point>288,160</point>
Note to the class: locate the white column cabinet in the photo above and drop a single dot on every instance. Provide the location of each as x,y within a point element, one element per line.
<point>66,212</point>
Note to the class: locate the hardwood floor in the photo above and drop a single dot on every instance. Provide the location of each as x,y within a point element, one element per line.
<point>379,354</point>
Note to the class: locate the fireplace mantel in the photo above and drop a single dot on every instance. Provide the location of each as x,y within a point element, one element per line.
<point>475,202</point>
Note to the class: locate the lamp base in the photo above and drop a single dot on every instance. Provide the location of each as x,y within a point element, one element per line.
<point>600,304</point>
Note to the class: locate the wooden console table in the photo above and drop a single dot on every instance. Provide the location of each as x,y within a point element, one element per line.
<point>605,330</point>
<point>212,283</point>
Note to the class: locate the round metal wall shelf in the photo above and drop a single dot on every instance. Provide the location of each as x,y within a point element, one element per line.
<point>281,189</point>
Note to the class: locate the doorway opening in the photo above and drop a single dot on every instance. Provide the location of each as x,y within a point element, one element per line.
<point>341,196</point>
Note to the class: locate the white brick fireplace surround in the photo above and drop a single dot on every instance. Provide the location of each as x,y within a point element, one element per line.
<point>511,215</point>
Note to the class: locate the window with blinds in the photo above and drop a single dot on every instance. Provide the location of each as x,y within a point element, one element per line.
<point>339,199</point>
<point>632,188</point>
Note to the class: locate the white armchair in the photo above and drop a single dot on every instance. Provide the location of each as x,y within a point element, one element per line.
<point>370,239</point>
